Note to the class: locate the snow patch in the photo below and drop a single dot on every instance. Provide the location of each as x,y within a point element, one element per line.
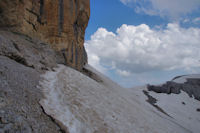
<point>55,105</point>
<point>84,105</point>
<point>182,108</point>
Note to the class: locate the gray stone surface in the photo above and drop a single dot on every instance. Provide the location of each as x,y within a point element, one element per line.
<point>22,60</point>
<point>28,51</point>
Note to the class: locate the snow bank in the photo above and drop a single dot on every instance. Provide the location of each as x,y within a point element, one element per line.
<point>84,105</point>
<point>182,108</point>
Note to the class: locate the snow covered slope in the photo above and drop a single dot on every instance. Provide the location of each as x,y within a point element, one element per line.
<point>180,107</point>
<point>84,105</point>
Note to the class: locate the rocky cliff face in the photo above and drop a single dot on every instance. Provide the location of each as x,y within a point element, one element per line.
<point>60,23</point>
<point>36,36</point>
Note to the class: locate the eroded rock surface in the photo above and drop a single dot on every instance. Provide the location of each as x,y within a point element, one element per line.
<point>28,51</point>
<point>60,23</point>
<point>22,60</point>
<point>20,111</point>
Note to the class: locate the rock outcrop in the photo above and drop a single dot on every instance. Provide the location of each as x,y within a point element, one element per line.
<point>60,23</point>
<point>191,86</point>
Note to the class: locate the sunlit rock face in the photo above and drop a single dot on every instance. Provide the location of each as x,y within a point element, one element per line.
<point>61,23</point>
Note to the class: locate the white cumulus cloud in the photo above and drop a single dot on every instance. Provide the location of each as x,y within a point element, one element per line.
<point>138,49</point>
<point>170,8</point>
<point>196,20</point>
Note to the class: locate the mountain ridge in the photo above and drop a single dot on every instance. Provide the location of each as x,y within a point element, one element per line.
<point>46,85</point>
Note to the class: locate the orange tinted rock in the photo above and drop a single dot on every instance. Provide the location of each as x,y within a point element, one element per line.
<point>61,23</point>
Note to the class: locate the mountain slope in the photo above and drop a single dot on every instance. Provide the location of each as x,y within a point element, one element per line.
<point>82,104</point>
<point>22,60</point>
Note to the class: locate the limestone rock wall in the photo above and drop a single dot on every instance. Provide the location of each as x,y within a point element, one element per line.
<point>61,23</point>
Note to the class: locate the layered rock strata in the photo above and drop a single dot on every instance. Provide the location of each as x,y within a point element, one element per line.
<point>60,23</point>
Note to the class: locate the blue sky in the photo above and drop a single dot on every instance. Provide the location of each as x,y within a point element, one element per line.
<point>111,14</point>
<point>135,42</point>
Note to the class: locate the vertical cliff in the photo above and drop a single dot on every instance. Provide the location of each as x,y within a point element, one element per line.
<point>60,23</point>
